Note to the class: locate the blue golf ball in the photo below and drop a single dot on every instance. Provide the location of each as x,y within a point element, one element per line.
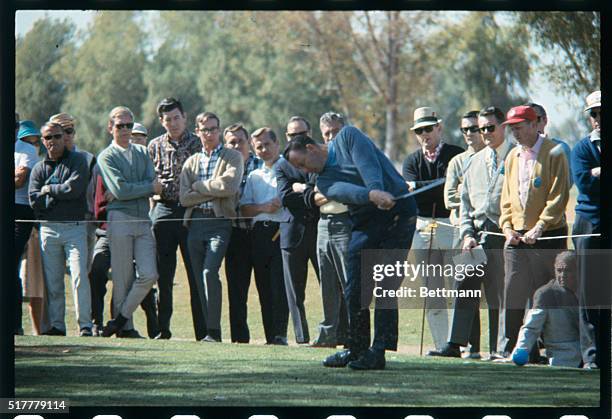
<point>520,356</point>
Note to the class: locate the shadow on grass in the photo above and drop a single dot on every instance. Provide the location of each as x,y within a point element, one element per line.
<point>224,376</point>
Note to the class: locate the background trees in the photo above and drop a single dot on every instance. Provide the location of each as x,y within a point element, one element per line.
<point>260,68</point>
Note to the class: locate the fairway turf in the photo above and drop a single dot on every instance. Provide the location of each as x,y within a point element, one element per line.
<point>97,371</point>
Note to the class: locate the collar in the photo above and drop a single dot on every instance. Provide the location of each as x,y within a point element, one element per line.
<point>215,150</point>
<point>63,156</point>
<point>536,147</point>
<point>123,150</point>
<point>595,135</point>
<point>181,140</point>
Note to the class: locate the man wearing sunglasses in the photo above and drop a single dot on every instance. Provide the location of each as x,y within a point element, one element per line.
<point>534,196</point>
<point>480,200</point>
<point>426,165</point>
<point>169,152</point>
<point>129,175</point>
<point>586,161</point>
<point>209,187</point>
<point>57,194</point>
<point>298,236</point>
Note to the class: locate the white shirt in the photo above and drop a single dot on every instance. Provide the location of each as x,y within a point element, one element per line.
<point>25,156</point>
<point>260,188</point>
<point>127,152</point>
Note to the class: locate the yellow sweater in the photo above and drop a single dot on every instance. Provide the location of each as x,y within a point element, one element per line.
<point>548,190</point>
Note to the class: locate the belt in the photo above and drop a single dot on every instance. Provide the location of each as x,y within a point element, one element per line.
<point>342,214</point>
<point>209,212</point>
<point>266,223</point>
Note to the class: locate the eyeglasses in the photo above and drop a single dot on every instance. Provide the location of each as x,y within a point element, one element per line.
<point>488,128</point>
<point>429,128</point>
<point>69,131</point>
<point>594,114</point>
<point>473,128</point>
<point>295,134</point>
<point>128,125</point>
<point>54,137</point>
<point>209,130</point>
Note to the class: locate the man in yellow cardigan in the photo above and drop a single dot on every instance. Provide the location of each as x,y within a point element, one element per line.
<point>534,196</point>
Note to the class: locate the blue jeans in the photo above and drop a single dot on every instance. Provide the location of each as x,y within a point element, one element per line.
<point>392,229</point>
<point>207,241</point>
<point>60,242</point>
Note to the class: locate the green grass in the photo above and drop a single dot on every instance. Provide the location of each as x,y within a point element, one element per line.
<point>97,371</point>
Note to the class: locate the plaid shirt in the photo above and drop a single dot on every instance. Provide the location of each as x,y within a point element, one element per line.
<point>208,162</point>
<point>168,158</point>
<point>250,164</point>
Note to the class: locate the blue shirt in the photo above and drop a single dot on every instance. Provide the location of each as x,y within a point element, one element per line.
<point>25,156</point>
<point>261,188</point>
<point>354,167</point>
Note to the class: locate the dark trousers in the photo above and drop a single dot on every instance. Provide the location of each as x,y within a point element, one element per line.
<point>98,277</point>
<point>170,235</point>
<point>590,280</point>
<point>466,310</point>
<point>249,250</point>
<point>295,268</point>
<point>391,229</point>
<point>22,235</point>
<point>527,268</point>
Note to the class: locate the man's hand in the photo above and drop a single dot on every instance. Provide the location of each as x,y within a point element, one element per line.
<point>596,172</point>
<point>157,187</point>
<point>108,196</point>
<point>320,199</point>
<point>469,243</point>
<point>533,235</point>
<point>383,200</point>
<point>45,190</point>
<point>512,237</point>
<point>298,187</point>
<point>410,186</point>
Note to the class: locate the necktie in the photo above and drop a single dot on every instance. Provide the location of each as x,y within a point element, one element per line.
<point>493,162</point>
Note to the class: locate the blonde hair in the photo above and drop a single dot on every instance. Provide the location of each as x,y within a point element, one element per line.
<point>63,119</point>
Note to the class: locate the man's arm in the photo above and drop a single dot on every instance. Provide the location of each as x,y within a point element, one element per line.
<point>76,184</point>
<point>467,222</point>
<point>284,184</point>
<point>21,176</point>
<point>38,200</point>
<point>582,170</point>
<point>452,197</point>
<point>558,194</point>
<point>228,183</point>
<point>118,185</point>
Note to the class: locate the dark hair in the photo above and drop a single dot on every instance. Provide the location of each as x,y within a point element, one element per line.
<point>539,109</point>
<point>207,115</point>
<point>299,118</point>
<point>470,114</point>
<point>168,104</point>
<point>236,128</point>
<point>50,124</point>
<point>495,111</point>
<point>264,130</point>
<point>298,143</point>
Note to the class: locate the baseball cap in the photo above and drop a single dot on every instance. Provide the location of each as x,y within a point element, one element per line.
<point>520,114</point>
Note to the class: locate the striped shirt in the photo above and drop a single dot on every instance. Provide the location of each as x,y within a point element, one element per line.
<point>250,164</point>
<point>208,162</point>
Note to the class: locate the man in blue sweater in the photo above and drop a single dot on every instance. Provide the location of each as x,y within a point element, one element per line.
<point>586,169</point>
<point>353,171</point>
<point>129,176</point>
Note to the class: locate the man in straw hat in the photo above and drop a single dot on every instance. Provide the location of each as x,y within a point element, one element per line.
<point>424,166</point>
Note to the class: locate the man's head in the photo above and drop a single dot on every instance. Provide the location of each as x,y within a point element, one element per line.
<point>427,127</point>
<point>28,132</point>
<point>490,120</point>
<point>139,134</point>
<point>297,125</point>
<point>566,270</point>
<point>265,144</point>
<point>330,124</point>
<point>120,124</point>
<point>237,137</point>
<point>541,116</point>
<point>523,123</point>
<point>470,131</point>
<point>172,117</point>
<point>207,128</point>
<point>305,154</point>
<point>53,139</point>
<point>68,123</point>
<point>594,109</point>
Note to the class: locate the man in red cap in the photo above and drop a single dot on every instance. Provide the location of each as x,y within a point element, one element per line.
<point>534,196</point>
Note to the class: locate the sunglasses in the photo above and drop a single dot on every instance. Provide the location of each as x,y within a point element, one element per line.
<point>472,129</point>
<point>128,125</point>
<point>295,134</point>
<point>429,128</point>
<point>595,114</point>
<point>488,128</point>
<point>209,130</point>
<point>69,131</point>
<point>54,137</point>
